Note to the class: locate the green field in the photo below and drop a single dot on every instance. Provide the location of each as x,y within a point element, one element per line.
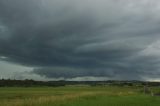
<point>77,96</point>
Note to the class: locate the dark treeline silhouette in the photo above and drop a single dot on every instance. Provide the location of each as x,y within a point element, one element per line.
<point>28,83</point>
<point>32,83</point>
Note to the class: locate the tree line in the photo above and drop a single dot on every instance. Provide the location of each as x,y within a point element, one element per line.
<point>32,83</point>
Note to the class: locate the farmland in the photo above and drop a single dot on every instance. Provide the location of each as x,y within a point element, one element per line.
<point>77,96</point>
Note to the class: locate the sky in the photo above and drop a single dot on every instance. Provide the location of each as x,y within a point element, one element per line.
<point>80,40</point>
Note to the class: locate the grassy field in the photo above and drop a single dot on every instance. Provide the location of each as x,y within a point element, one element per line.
<point>77,96</point>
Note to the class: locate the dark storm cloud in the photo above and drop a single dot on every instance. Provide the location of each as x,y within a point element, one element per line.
<point>71,72</point>
<point>105,38</point>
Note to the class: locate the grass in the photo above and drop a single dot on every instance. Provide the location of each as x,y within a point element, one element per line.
<point>139,100</point>
<point>76,96</point>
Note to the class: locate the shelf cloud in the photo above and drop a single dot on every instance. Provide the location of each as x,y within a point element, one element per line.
<point>116,39</point>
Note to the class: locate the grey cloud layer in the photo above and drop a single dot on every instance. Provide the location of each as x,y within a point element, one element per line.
<point>72,38</point>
